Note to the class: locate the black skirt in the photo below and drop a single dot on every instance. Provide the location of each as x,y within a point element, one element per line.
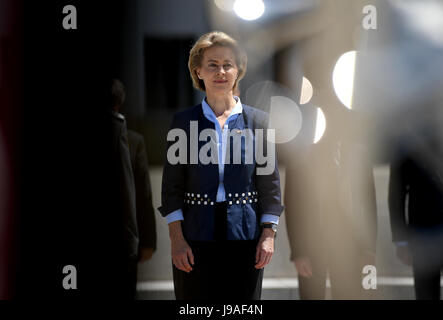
<point>223,270</point>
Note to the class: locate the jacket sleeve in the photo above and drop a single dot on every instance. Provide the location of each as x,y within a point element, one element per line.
<point>173,181</point>
<point>396,201</point>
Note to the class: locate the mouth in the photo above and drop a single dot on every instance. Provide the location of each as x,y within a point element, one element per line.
<point>220,81</point>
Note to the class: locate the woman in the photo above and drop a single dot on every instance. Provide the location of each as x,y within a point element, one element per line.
<point>221,217</point>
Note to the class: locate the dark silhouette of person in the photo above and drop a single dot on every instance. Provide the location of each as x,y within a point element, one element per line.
<point>127,231</point>
<point>143,196</point>
<point>416,209</point>
<point>143,193</point>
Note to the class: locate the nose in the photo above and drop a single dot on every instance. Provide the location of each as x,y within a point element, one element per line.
<point>221,70</point>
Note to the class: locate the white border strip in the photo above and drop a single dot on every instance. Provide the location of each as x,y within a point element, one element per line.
<point>279,283</point>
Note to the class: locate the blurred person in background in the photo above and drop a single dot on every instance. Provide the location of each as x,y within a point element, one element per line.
<point>143,193</point>
<point>416,212</point>
<point>331,213</point>
<point>127,249</point>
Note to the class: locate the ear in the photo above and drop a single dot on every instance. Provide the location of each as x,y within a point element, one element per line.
<point>197,71</point>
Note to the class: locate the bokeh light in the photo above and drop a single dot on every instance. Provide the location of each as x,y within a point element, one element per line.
<point>320,125</point>
<point>225,5</point>
<point>343,78</point>
<point>249,9</point>
<point>306,91</point>
<point>285,118</point>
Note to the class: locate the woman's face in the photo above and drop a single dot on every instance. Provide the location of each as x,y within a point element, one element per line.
<point>218,70</point>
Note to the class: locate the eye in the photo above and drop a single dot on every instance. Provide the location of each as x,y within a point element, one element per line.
<point>228,66</point>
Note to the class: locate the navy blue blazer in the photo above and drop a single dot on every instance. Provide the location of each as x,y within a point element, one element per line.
<point>193,187</point>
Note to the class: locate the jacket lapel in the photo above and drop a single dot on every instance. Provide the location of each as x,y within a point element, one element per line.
<point>236,129</point>
<point>210,170</point>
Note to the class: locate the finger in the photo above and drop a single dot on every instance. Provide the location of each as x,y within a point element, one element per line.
<point>178,264</point>
<point>297,266</point>
<point>300,271</point>
<point>303,271</point>
<point>257,254</point>
<point>261,261</point>
<point>191,256</point>
<point>308,270</point>
<point>185,263</point>
<point>266,261</point>
<point>268,258</point>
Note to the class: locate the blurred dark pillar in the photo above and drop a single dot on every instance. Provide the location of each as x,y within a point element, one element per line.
<point>10,110</point>
<point>69,192</point>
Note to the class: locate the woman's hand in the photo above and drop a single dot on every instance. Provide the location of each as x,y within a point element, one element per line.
<point>265,248</point>
<point>181,252</point>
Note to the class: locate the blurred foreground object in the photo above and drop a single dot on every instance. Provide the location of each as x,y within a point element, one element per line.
<point>399,84</point>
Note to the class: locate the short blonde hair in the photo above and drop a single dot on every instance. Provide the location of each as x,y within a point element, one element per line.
<point>209,40</point>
